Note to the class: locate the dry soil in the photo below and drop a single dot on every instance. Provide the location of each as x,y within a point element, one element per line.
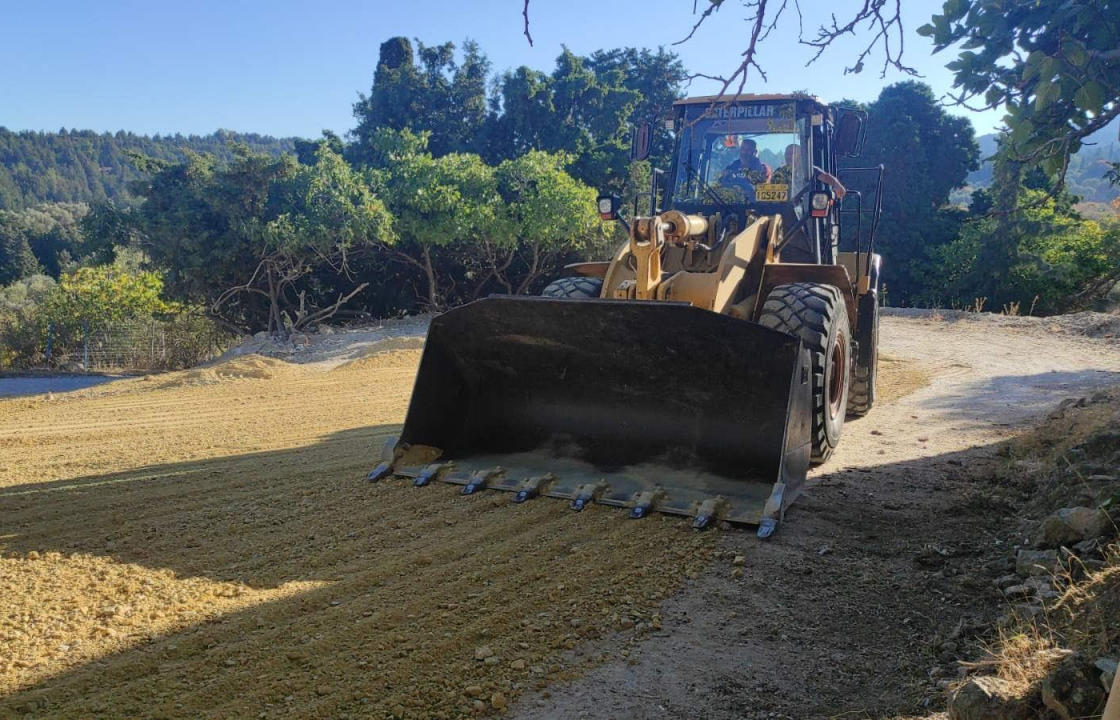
<point>202,544</point>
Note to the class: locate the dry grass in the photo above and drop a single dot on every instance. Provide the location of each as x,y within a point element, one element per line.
<point>1084,617</point>
<point>1022,655</point>
<point>1089,609</point>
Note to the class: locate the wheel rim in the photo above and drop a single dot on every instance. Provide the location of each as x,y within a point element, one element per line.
<point>838,362</point>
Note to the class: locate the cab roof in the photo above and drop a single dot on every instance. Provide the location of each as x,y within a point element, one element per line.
<point>748,97</point>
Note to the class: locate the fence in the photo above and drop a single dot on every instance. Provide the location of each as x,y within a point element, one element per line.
<point>141,344</point>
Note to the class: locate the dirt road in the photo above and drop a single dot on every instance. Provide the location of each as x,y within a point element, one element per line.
<point>851,607</point>
<point>200,544</point>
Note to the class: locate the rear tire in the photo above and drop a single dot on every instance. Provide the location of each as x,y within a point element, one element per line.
<point>865,369</point>
<point>579,287</point>
<point>817,314</point>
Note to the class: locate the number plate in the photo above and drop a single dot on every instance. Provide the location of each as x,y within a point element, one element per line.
<point>771,192</point>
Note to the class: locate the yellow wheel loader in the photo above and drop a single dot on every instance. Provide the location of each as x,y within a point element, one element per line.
<point>703,368</point>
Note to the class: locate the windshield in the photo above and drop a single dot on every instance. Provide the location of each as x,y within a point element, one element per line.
<point>741,154</point>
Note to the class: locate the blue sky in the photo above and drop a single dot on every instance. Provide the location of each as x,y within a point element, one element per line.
<point>294,68</point>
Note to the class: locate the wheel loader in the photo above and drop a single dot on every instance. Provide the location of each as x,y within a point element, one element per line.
<point>703,368</point>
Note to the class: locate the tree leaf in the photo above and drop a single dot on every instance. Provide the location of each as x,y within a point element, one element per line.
<point>1090,98</point>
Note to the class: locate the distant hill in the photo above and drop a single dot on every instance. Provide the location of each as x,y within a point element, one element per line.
<point>87,167</point>
<point>1086,169</point>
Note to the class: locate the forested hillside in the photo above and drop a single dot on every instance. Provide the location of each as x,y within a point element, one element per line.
<point>81,166</point>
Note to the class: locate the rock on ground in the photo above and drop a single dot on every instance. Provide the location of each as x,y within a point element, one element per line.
<point>1068,526</point>
<point>1073,689</point>
<point>988,698</point>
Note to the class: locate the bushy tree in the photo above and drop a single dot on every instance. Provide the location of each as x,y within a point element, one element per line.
<point>1059,260</point>
<point>93,297</point>
<point>244,239</point>
<point>437,204</point>
<point>425,90</point>
<point>16,258</point>
<point>23,319</point>
<point>658,77</point>
<point>326,212</point>
<point>575,110</point>
<point>927,153</point>
<point>551,217</point>
<point>468,228</point>
<point>53,233</point>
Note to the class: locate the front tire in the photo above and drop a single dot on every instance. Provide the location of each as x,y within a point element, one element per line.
<point>818,315</point>
<point>574,288</point>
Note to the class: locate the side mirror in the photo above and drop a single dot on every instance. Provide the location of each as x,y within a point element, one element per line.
<point>608,206</point>
<point>849,134</point>
<point>640,142</point>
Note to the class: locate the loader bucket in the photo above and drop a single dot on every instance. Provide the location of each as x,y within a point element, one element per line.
<point>653,406</point>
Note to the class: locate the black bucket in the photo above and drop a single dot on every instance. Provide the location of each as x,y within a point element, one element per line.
<point>681,403</point>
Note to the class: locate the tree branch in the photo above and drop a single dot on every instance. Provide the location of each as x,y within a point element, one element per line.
<point>328,311</point>
<point>525,14</point>
<point>883,17</point>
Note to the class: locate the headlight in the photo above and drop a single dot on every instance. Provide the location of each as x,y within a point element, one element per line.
<point>608,206</point>
<point>818,204</point>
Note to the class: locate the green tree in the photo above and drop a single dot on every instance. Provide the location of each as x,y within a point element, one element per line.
<point>575,110</point>
<point>95,296</point>
<point>551,214</point>
<point>437,204</point>
<point>1058,261</point>
<point>1053,66</point>
<point>927,153</point>
<point>24,320</point>
<point>53,233</point>
<point>16,258</point>
<point>307,150</point>
<point>247,238</point>
<point>326,213</point>
<point>466,228</point>
<point>425,91</point>
<point>81,166</point>
<point>658,77</point>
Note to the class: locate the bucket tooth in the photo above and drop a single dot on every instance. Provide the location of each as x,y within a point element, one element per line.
<point>766,527</point>
<point>772,512</point>
<point>532,487</point>
<point>479,479</point>
<point>380,472</point>
<point>587,494</point>
<point>709,511</point>
<point>646,502</point>
<point>426,475</point>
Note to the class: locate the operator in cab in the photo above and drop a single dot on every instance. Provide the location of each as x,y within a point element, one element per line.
<point>746,171</point>
<point>790,173</point>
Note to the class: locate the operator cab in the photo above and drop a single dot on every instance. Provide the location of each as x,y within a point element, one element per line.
<point>749,155</point>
